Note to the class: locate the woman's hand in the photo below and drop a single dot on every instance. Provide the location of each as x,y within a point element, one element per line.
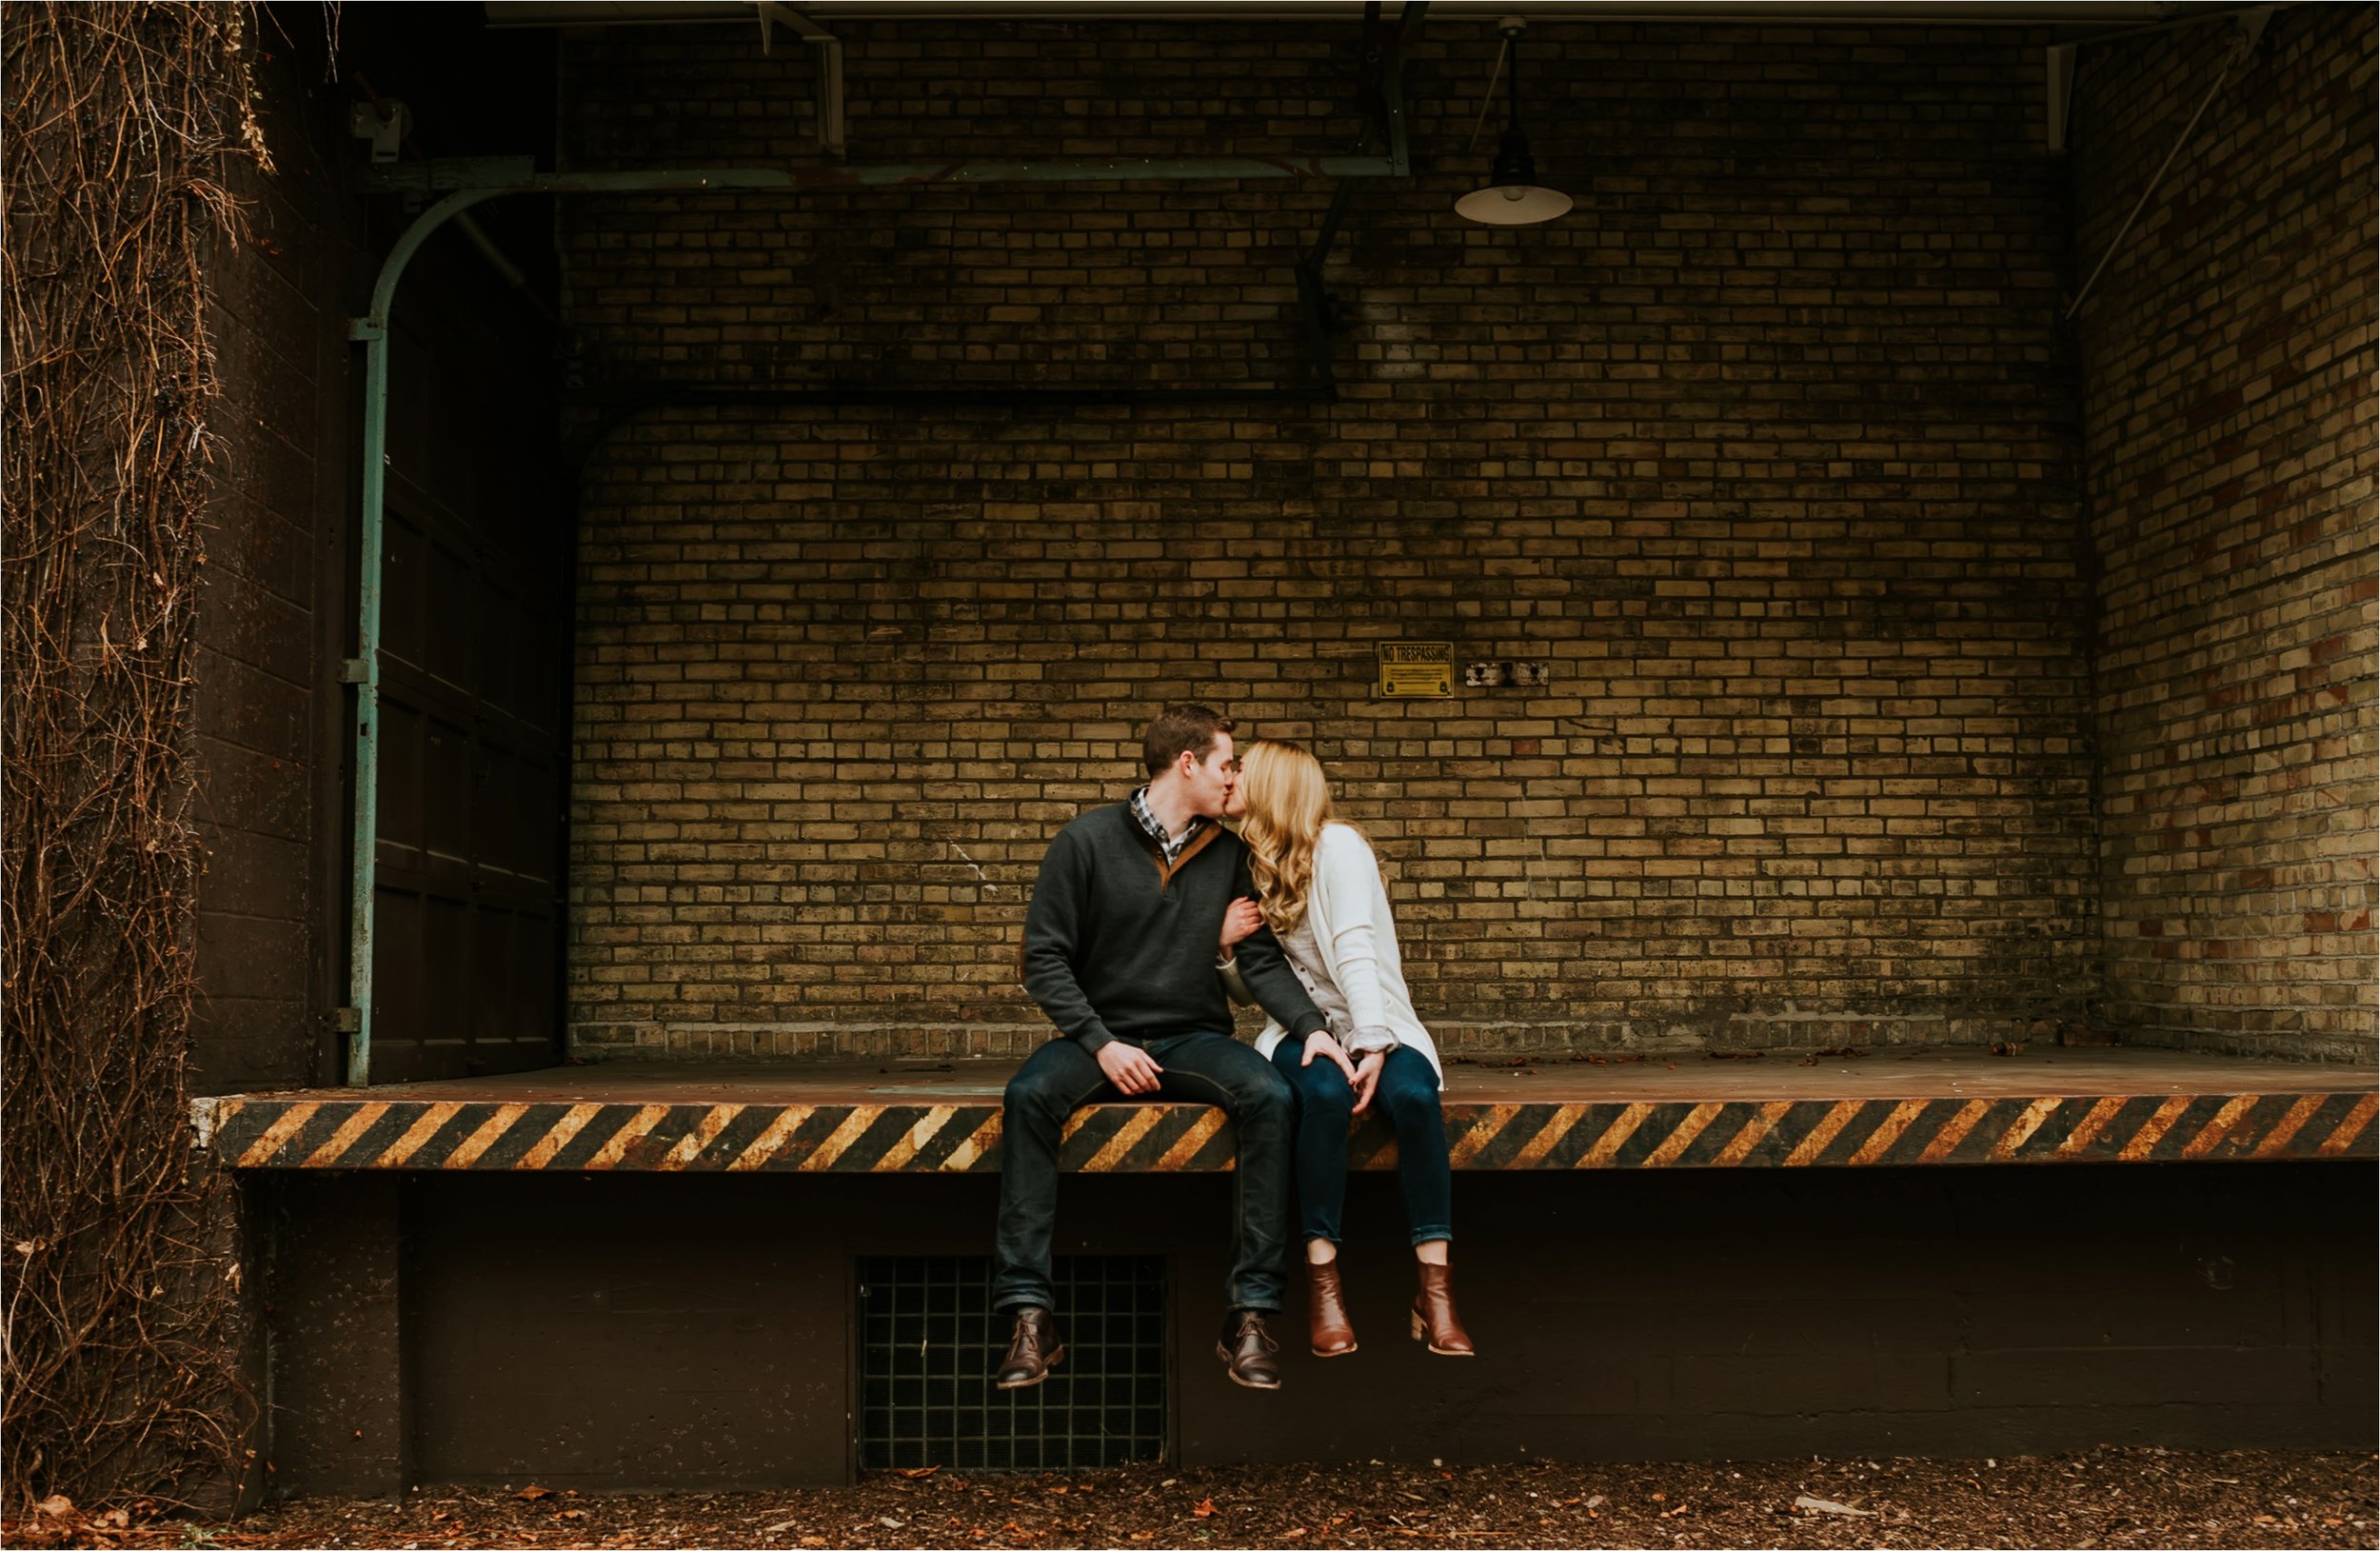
<point>1367,1076</point>
<point>1320,1043</point>
<point>1240,921</point>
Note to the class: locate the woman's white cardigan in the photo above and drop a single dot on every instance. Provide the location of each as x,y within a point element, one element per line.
<point>1348,908</point>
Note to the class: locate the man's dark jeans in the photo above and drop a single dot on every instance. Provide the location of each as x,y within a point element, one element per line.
<point>1062,1077</point>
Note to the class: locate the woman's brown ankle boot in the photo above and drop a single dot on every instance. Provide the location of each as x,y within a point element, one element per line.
<point>1328,1330</point>
<point>1434,1318</point>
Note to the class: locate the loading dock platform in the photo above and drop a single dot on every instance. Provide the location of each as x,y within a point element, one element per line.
<point>660,1275</point>
<point>1784,1109</point>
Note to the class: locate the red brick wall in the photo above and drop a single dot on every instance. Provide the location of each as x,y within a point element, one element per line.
<point>2227,355</point>
<point>1769,449</point>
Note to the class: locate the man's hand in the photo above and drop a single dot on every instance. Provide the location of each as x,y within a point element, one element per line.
<point>1367,1076</point>
<point>1321,1044</point>
<point>1240,922</point>
<point>1128,1067</point>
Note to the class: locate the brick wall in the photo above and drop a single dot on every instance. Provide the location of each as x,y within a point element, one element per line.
<point>1769,448</point>
<point>2228,358</point>
<point>275,615</point>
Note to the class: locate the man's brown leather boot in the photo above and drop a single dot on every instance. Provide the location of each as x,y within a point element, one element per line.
<point>1033,1350</point>
<point>1329,1332</point>
<point>1434,1314</point>
<point>1250,1354</point>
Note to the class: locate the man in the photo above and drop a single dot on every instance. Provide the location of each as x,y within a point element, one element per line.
<point>1120,950</point>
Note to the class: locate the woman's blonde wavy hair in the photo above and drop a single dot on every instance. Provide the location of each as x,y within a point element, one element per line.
<point>1288,803</point>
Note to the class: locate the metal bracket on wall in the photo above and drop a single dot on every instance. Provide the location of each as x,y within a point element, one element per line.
<point>1381,92</point>
<point>2058,59</point>
<point>2059,62</point>
<point>2245,38</point>
<point>827,49</point>
<point>384,124</point>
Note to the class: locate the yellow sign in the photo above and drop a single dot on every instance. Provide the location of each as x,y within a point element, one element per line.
<point>1411,669</point>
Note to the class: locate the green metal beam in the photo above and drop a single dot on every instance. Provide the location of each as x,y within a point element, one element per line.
<point>363,671</point>
<point>519,175</point>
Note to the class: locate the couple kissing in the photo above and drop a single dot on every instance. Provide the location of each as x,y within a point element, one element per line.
<point>1148,919</point>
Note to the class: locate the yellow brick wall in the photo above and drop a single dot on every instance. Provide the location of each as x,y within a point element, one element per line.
<point>2228,353</point>
<point>1769,449</point>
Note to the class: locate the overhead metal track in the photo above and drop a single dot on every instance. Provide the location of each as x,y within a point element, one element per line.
<point>1486,12</point>
<point>461,183</point>
<point>519,174</point>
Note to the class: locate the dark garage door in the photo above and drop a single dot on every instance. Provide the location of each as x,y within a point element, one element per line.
<point>466,958</point>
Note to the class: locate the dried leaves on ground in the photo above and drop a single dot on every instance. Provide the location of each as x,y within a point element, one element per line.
<point>2107,1498</point>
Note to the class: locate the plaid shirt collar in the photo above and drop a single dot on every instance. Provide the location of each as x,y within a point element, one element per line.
<point>1170,844</point>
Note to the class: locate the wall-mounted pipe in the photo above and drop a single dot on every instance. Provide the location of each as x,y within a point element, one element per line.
<point>518,174</point>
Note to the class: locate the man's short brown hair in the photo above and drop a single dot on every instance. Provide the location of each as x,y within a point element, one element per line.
<point>1178,729</point>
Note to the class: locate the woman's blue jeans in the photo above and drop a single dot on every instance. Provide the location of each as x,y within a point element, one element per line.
<point>1408,1091</point>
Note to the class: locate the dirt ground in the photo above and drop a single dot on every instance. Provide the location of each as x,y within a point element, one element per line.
<point>2107,1498</point>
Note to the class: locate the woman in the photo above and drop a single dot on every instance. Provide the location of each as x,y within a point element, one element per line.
<point>1318,888</point>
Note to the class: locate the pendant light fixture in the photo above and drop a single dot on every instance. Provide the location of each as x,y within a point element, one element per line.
<point>1513,197</point>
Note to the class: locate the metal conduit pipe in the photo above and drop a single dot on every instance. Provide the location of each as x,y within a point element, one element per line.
<point>518,175</point>
<point>468,182</point>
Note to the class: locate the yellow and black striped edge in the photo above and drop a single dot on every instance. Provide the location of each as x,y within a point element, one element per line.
<point>362,1133</point>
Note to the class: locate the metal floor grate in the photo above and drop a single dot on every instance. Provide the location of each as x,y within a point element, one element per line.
<point>929,1340</point>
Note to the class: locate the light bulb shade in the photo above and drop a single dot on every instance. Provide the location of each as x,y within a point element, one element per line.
<point>1513,197</point>
<point>1513,205</point>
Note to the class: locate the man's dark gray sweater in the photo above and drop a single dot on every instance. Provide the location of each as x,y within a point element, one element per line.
<point>1118,946</point>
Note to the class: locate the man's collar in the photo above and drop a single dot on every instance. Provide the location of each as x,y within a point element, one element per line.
<point>1148,820</point>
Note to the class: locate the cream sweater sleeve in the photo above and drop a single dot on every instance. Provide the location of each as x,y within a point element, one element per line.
<point>1346,882</point>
